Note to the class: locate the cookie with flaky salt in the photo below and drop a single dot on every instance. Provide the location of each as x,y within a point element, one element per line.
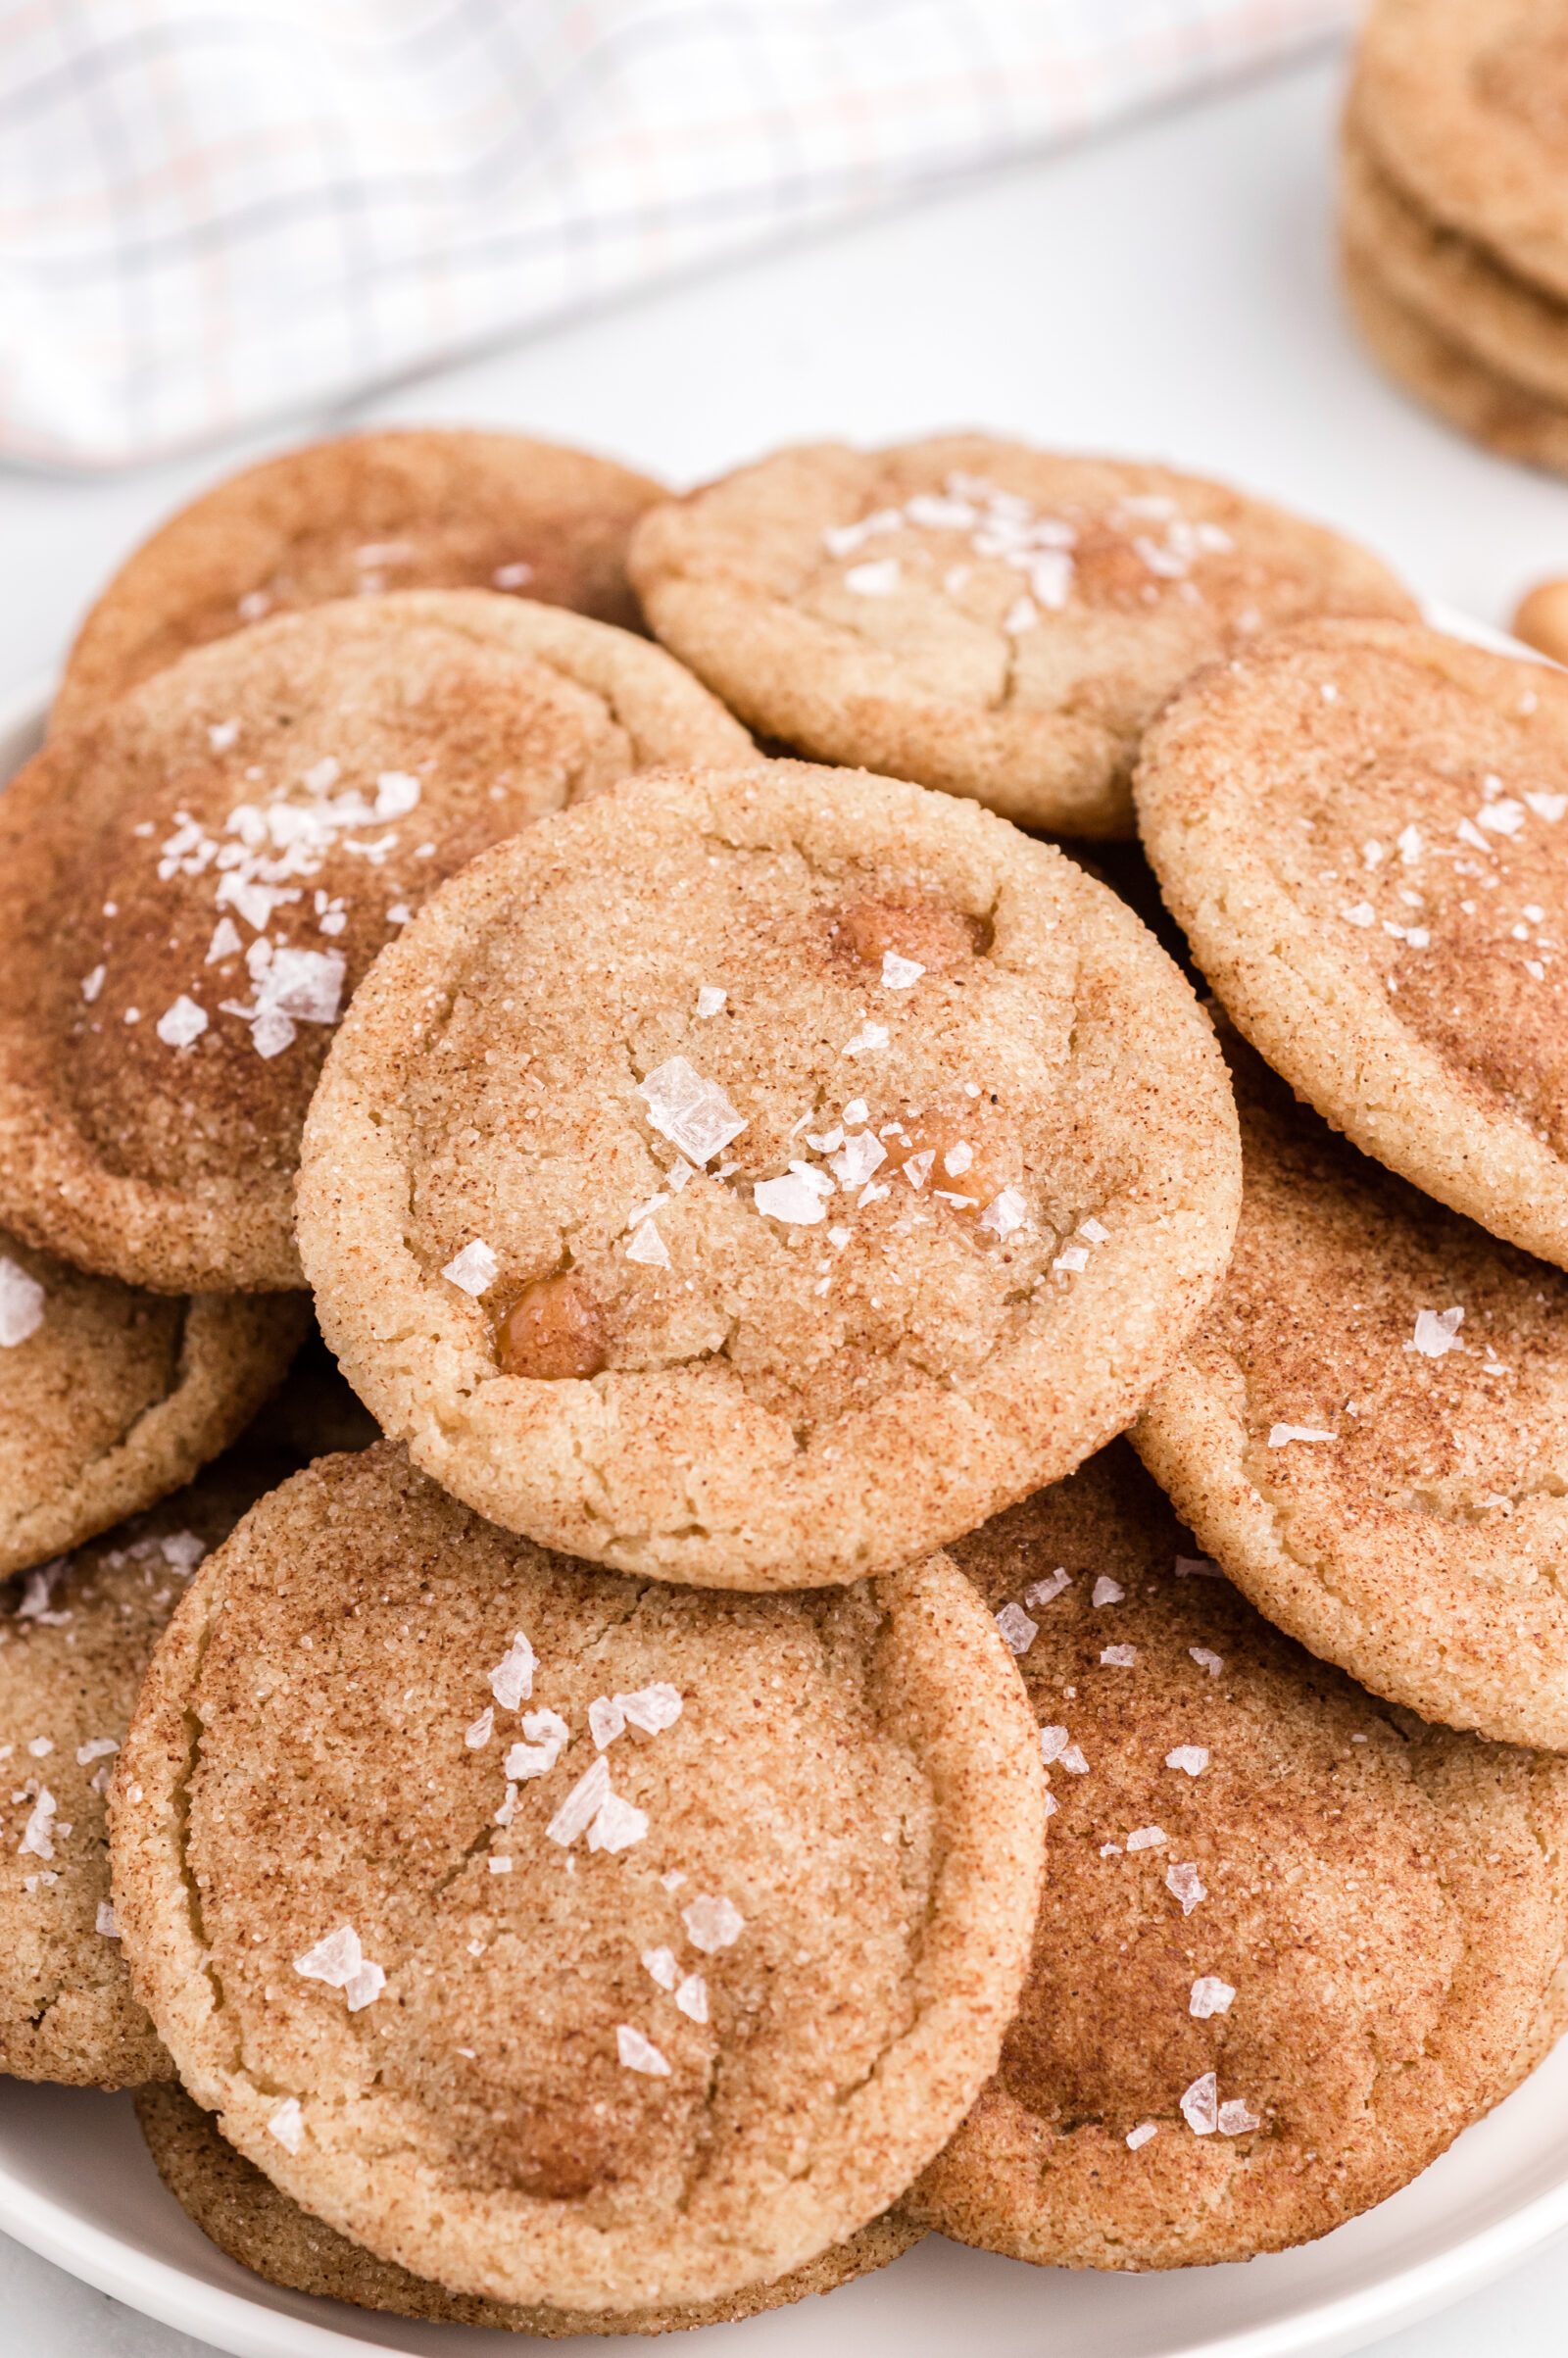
<point>1368,1431</point>
<point>111,1397</point>
<point>760,1176</point>
<point>1290,1942</point>
<point>427,509</point>
<point>76,1637</point>
<point>568,1939</point>
<point>1360,827</point>
<point>998,621</point>
<point>191,887</point>
<point>246,2216</point>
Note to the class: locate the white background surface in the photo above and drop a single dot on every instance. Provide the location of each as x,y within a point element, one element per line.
<point>1167,291</point>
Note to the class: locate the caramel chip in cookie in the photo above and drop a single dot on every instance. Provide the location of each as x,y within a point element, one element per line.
<point>191,887</point>
<point>1466,105</point>
<point>76,1637</point>
<point>760,1176</point>
<point>1290,1942</point>
<point>1368,1431</point>
<point>246,2216</point>
<point>395,511</point>
<point>1361,827</point>
<point>998,621</point>
<point>567,1938</point>
<point>111,1397</point>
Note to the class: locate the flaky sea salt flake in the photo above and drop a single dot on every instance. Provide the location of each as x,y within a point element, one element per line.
<point>482,1729</point>
<point>649,1248</point>
<point>1106,1590</point>
<point>582,1805</point>
<point>869,1037</point>
<point>1119,1658</point>
<point>1200,2106</point>
<point>617,1824</point>
<point>1003,1213</point>
<point>21,1300</point>
<point>639,2054</point>
<point>512,1680</point>
<point>791,1199</point>
<point>899,973</point>
<point>106,1921</point>
<point>712,1924</point>
<point>1142,2134</point>
<point>877,579</point>
<point>1184,1883</point>
<point>1043,1591</point>
<point>694,1114</point>
<point>287,2125</point>
<point>710,1001</point>
<point>1549,806</point>
<point>857,1159</point>
<point>1147,1838</point>
<point>662,1964</point>
<point>1208,1659</point>
<point>1280,1435</point>
<point>1191,1758</point>
<point>96,1748</point>
<point>474,1269</point>
<point>692,1997</point>
<point>546,1737</point>
<point>1437,1333</point>
<point>1234,2120</point>
<point>93,983</point>
<point>1209,1995</point>
<point>652,1708</point>
<point>1017,1632</point>
<point>37,1835</point>
<point>605,1720</point>
<point>183,1024</point>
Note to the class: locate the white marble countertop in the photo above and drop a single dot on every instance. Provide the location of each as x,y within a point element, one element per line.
<point>1167,291</point>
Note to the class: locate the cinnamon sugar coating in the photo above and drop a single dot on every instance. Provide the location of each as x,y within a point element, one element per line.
<point>1346,1948</point>
<point>998,621</point>
<point>1421,1542</point>
<point>865,1251</point>
<point>192,886</point>
<point>111,1397</point>
<point>1363,829</point>
<point>75,1637</point>
<point>565,1939</point>
<point>431,509</point>
<point>246,2216</point>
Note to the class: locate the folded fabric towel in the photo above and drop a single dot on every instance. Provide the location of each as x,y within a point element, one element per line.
<point>215,210</point>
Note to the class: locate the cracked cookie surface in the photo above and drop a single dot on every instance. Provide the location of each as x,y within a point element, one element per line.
<point>1362,827</point>
<point>246,2216</point>
<point>357,517</point>
<point>759,1177</point>
<point>563,1938</point>
<point>76,1636</point>
<point>110,1396</point>
<point>1291,1943</point>
<point>1368,1431</point>
<point>194,883</point>
<point>1466,102</point>
<point>998,621</point>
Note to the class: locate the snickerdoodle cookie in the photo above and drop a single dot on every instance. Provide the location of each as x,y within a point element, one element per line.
<point>1290,1942</point>
<point>998,621</point>
<point>1513,331</point>
<point>191,887</point>
<point>1509,417</point>
<point>758,1177</point>
<point>242,2212</point>
<point>76,1637</point>
<point>1360,826</point>
<point>1465,103</point>
<point>435,509</point>
<point>111,1397</point>
<point>565,1939</point>
<point>1370,1431</point>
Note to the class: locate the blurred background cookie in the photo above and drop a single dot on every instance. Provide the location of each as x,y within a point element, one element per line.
<point>765,1174</point>
<point>1455,215</point>
<point>1290,1942</point>
<point>998,621</point>
<point>76,1636</point>
<point>249,2218</point>
<point>581,1940</point>
<point>435,509</point>
<point>191,887</point>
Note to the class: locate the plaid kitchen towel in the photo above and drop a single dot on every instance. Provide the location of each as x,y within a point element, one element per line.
<point>215,211</point>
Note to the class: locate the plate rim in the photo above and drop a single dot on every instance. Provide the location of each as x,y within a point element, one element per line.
<point>247,2328</point>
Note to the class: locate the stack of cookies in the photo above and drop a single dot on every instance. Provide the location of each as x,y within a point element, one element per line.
<point>730,1762</point>
<point>1454,214</point>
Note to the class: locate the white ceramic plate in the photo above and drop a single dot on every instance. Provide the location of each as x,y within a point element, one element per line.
<point>77,2185</point>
